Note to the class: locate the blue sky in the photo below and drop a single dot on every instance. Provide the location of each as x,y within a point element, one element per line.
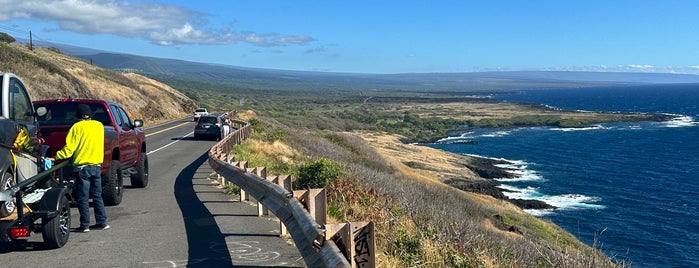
<point>377,36</point>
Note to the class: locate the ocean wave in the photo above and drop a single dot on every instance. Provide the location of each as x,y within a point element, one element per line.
<point>681,121</point>
<point>562,202</point>
<point>497,134</point>
<point>513,164</point>
<point>488,96</point>
<point>472,135</point>
<point>540,212</point>
<point>595,127</point>
<point>522,173</point>
<point>520,170</point>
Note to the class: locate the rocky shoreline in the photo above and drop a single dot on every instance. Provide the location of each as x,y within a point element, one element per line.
<point>488,170</point>
<point>467,173</point>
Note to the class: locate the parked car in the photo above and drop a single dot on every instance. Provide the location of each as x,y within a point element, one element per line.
<point>29,201</point>
<point>124,141</point>
<point>19,138</point>
<point>209,126</point>
<point>199,112</point>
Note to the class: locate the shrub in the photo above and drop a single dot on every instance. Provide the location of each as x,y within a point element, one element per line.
<point>4,37</point>
<point>55,49</point>
<point>317,174</point>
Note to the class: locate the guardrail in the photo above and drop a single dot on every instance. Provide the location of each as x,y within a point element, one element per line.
<point>308,235</point>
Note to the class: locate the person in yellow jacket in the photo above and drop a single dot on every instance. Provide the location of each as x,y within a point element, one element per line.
<point>85,144</point>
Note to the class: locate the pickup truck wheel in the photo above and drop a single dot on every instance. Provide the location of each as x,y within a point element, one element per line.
<point>7,208</point>
<point>113,185</point>
<point>56,231</point>
<point>140,178</point>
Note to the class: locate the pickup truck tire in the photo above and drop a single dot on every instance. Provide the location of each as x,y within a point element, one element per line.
<point>113,185</point>
<point>56,230</point>
<point>140,178</point>
<point>6,208</point>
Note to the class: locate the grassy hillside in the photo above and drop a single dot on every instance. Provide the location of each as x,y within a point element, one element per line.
<point>49,74</point>
<point>353,125</point>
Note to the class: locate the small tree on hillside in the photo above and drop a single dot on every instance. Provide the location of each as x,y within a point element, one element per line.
<point>55,49</point>
<point>317,174</point>
<point>4,37</point>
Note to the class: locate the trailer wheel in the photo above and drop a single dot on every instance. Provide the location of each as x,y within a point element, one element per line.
<point>140,179</point>
<point>7,208</point>
<point>57,230</point>
<point>113,185</point>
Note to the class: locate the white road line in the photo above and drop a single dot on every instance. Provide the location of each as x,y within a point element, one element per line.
<point>166,145</point>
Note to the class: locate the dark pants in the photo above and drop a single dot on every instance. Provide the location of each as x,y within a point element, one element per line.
<point>89,185</point>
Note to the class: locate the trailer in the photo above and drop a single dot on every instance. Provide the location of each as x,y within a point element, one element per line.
<point>42,205</point>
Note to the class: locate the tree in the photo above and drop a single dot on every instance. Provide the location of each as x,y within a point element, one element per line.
<point>4,37</point>
<point>317,174</point>
<point>55,49</point>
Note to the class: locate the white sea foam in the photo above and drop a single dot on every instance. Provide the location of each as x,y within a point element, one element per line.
<point>519,169</point>
<point>522,173</point>
<point>573,201</point>
<point>464,136</point>
<point>497,134</point>
<point>539,212</point>
<point>595,127</point>
<point>529,192</point>
<point>682,121</point>
<point>489,96</point>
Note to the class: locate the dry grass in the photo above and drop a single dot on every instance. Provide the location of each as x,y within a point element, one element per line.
<point>50,75</point>
<point>473,111</point>
<point>421,222</point>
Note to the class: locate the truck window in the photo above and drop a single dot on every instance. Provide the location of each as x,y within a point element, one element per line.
<point>21,107</point>
<point>100,114</point>
<point>117,118</point>
<point>125,117</point>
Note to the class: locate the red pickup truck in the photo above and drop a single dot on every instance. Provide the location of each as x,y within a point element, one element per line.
<point>124,141</point>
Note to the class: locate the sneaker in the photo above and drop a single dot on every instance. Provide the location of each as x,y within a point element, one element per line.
<point>82,230</point>
<point>100,226</point>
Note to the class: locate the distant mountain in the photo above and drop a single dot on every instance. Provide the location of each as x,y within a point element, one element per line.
<point>281,79</point>
<point>242,77</point>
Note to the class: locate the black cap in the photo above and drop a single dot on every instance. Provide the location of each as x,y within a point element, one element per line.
<point>84,111</point>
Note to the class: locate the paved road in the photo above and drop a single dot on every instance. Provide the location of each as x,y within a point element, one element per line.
<point>180,220</point>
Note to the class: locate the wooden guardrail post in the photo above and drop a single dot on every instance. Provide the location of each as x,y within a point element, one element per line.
<point>262,173</point>
<point>356,241</point>
<point>244,166</point>
<point>310,237</point>
<point>283,181</point>
<point>316,203</point>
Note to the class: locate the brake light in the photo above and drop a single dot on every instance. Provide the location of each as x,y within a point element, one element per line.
<point>17,232</point>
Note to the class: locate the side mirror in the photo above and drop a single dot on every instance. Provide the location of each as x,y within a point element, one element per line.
<point>138,123</point>
<point>41,111</point>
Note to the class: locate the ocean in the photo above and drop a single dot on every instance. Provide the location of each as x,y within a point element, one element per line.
<point>626,188</point>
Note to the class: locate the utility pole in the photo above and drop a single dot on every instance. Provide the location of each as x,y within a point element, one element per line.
<point>31,44</point>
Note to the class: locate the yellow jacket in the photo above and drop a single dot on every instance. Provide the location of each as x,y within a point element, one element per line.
<point>85,143</point>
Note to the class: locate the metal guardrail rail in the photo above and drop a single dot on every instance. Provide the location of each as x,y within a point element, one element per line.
<point>307,234</point>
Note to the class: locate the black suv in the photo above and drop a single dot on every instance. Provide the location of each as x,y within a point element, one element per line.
<point>209,126</point>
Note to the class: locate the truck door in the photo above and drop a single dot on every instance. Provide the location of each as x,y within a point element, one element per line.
<point>23,129</point>
<point>128,140</point>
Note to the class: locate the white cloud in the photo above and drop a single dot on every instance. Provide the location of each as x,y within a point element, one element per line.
<point>159,23</point>
<point>642,67</point>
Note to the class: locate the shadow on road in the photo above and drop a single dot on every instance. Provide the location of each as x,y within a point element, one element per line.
<point>202,230</point>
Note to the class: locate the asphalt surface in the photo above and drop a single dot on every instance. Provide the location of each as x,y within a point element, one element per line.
<point>181,219</point>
